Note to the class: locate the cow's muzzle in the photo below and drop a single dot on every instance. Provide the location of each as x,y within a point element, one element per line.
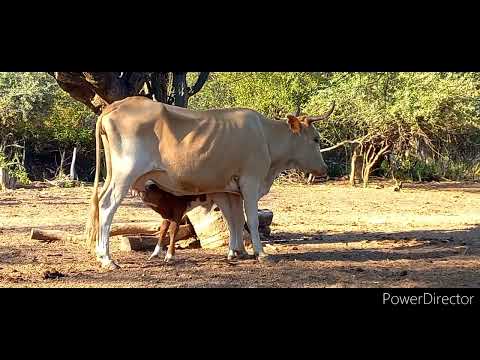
<point>320,173</point>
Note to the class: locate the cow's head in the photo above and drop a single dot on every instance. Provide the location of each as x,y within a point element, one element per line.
<point>306,143</point>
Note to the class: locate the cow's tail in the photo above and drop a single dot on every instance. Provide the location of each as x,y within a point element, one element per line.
<point>92,226</point>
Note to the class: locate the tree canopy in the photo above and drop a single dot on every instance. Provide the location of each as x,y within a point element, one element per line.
<point>429,121</point>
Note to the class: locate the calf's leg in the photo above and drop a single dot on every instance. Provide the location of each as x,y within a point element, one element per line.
<point>172,232</point>
<point>161,235</point>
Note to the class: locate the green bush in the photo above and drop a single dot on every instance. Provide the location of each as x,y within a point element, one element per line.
<point>15,169</point>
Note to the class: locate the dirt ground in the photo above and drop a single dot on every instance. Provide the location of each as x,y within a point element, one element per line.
<point>323,235</point>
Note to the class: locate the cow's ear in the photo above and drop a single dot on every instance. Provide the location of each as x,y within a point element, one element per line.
<point>294,123</point>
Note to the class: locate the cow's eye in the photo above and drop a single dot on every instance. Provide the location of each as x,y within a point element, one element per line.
<point>317,140</point>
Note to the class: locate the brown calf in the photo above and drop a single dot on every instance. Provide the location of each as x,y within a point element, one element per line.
<point>172,209</point>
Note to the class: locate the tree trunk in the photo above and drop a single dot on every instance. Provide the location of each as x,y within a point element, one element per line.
<point>180,92</point>
<point>62,160</point>
<point>159,87</point>
<point>366,174</point>
<point>98,89</point>
<point>356,171</point>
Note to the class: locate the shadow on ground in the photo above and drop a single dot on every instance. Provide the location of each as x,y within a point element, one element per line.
<point>466,236</point>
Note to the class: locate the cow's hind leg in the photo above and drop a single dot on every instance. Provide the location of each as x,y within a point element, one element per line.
<point>223,202</point>
<point>238,218</point>
<point>108,205</point>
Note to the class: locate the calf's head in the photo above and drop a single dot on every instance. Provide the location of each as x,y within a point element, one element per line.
<point>306,143</point>
<point>153,196</point>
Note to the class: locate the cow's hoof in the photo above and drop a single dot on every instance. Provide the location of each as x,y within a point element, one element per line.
<point>265,258</point>
<point>169,259</point>
<point>109,264</point>
<point>242,254</point>
<point>231,255</point>
<point>156,253</point>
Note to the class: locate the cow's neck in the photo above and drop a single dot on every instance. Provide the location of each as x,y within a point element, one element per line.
<point>281,147</point>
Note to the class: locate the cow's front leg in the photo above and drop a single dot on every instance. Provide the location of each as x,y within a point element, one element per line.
<point>250,190</point>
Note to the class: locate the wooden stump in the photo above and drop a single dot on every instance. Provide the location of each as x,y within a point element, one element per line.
<point>6,181</point>
<point>210,226</point>
<point>212,229</point>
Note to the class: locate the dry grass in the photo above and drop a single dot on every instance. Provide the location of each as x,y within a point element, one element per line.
<point>325,235</point>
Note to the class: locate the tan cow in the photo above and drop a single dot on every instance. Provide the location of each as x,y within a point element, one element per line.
<point>234,155</point>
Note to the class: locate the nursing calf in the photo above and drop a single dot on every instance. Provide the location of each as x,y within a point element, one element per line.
<point>172,209</point>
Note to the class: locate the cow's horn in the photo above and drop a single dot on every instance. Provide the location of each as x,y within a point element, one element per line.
<point>311,119</point>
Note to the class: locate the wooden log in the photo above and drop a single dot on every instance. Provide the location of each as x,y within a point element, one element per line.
<point>184,232</point>
<point>137,243</point>
<point>53,235</point>
<point>148,228</point>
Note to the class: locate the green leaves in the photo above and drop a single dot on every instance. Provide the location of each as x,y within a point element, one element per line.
<point>33,107</point>
<point>273,94</point>
<point>438,109</point>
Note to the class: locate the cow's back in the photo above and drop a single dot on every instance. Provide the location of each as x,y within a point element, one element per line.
<point>201,151</point>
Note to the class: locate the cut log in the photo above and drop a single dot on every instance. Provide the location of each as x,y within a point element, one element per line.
<point>210,226</point>
<point>212,229</point>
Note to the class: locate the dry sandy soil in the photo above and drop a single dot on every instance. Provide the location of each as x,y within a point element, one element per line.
<point>324,235</point>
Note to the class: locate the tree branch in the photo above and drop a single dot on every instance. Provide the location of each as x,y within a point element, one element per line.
<point>201,80</point>
<point>108,85</point>
<point>381,152</point>
<point>356,141</point>
<point>79,89</point>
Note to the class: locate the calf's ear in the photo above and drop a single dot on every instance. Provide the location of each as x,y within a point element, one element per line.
<point>294,123</point>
